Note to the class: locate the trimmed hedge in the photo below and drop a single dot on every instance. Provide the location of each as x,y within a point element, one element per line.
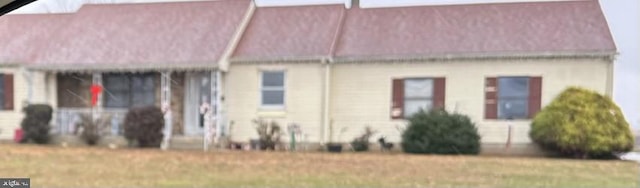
<point>143,126</point>
<point>440,132</point>
<point>582,124</point>
<point>36,123</point>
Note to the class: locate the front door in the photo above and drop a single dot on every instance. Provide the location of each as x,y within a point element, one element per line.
<point>197,96</point>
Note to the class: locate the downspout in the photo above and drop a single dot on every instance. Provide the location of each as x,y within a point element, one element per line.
<point>326,100</point>
<point>610,77</point>
<point>326,112</point>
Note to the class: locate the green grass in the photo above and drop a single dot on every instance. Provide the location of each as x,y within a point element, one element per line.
<point>53,166</point>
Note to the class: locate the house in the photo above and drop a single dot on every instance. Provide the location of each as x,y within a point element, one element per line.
<point>323,67</point>
<point>136,59</point>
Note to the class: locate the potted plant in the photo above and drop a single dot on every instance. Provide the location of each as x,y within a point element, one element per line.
<point>333,146</point>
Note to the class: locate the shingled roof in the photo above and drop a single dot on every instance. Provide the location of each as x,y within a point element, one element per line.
<point>24,36</point>
<point>484,29</point>
<point>497,29</point>
<point>290,32</point>
<point>196,35</point>
<point>145,36</point>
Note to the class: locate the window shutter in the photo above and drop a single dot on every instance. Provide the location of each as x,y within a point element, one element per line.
<point>491,98</point>
<point>439,87</point>
<point>8,91</point>
<point>397,99</point>
<point>535,94</point>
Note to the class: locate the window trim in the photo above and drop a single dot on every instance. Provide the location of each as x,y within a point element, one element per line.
<point>262,88</point>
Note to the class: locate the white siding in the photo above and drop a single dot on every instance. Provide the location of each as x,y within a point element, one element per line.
<point>10,119</point>
<point>361,93</point>
<point>303,99</point>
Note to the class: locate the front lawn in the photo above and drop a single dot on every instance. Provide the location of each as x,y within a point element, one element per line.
<point>53,166</point>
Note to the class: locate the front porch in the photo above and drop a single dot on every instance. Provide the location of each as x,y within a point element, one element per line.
<point>184,97</point>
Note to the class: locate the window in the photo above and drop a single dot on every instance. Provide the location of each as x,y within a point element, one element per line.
<point>2,90</point>
<point>272,89</point>
<point>512,97</point>
<point>129,90</point>
<point>409,95</point>
<point>6,91</point>
<point>418,94</point>
<point>73,90</point>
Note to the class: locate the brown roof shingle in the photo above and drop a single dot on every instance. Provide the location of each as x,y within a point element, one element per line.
<point>290,32</point>
<point>504,28</point>
<point>24,36</point>
<point>146,35</point>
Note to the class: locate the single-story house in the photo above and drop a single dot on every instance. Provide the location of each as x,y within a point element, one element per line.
<point>323,67</point>
<point>163,54</point>
<point>327,67</point>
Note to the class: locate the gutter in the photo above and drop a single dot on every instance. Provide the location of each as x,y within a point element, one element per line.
<point>478,56</point>
<point>130,67</point>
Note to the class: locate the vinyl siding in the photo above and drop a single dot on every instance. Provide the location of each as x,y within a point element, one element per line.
<point>361,93</point>
<point>303,99</point>
<point>10,119</point>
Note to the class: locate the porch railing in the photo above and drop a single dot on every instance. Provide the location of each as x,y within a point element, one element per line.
<point>67,120</point>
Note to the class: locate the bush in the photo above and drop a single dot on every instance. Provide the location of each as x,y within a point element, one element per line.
<point>361,143</point>
<point>269,133</point>
<point>36,123</point>
<point>91,130</point>
<point>582,124</point>
<point>143,126</point>
<point>439,132</point>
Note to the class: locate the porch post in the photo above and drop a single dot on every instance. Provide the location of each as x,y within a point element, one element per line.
<point>207,124</point>
<point>95,111</point>
<point>28,75</point>
<point>218,107</point>
<point>165,95</point>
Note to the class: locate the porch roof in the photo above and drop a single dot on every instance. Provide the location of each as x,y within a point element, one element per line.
<point>143,36</point>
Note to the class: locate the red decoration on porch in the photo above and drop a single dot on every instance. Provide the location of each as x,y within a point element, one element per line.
<point>95,90</point>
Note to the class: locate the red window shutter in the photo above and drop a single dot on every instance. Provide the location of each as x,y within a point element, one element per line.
<point>8,91</point>
<point>491,98</point>
<point>535,95</point>
<point>397,99</point>
<point>439,89</point>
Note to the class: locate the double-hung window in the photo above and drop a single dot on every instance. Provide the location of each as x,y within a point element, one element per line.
<point>418,95</point>
<point>513,97</point>
<point>272,91</point>
<point>410,95</point>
